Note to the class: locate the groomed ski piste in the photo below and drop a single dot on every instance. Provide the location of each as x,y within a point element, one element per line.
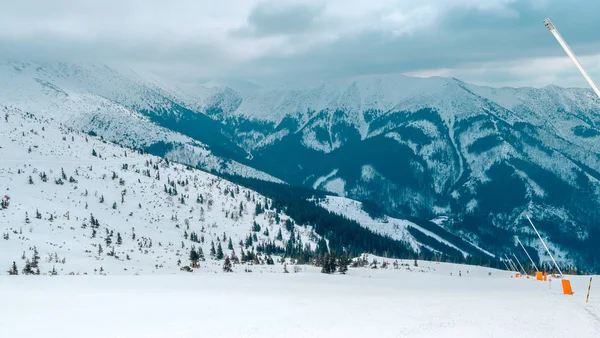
<point>141,291</point>
<point>424,302</point>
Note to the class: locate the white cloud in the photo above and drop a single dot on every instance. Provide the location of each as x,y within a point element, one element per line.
<point>536,72</point>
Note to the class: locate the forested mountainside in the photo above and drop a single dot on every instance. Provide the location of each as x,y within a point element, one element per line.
<point>424,148</point>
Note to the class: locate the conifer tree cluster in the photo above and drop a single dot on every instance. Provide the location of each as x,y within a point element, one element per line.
<point>227,265</point>
<point>330,263</point>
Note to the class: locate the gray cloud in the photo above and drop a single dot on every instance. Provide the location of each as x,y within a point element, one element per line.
<point>484,41</point>
<point>274,18</point>
<point>461,36</point>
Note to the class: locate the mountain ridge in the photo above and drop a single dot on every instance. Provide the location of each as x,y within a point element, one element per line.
<point>421,147</point>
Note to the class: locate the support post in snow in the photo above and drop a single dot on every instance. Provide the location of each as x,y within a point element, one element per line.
<point>544,244</point>
<point>527,253</point>
<point>508,264</point>
<point>511,263</point>
<point>512,267</point>
<point>515,265</point>
<point>524,272</point>
<point>587,299</point>
<point>566,284</point>
<point>507,268</point>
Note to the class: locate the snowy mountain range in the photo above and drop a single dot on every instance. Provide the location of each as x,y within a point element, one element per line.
<point>479,157</point>
<point>76,204</point>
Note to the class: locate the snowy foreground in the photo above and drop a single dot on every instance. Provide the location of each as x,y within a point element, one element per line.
<point>364,303</point>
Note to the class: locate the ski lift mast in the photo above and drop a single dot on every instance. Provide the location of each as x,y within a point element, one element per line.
<point>571,55</point>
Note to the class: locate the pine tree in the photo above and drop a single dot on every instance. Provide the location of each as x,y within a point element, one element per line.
<point>324,263</point>
<point>343,263</point>
<point>289,226</point>
<point>227,265</point>
<point>119,239</point>
<point>13,271</point>
<point>374,264</point>
<point>30,180</point>
<point>99,249</point>
<point>230,244</point>
<point>114,206</point>
<point>279,236</point>
<point>258,210</point>
<point>94,152</point>
<point>212,249</point>
<point>194,257</point>
<point>27,269</point>
<point>256,227</point>
<point>35,258</point>
<point>234,258</point>
<point>219,251</point>
<point>332,262</point>
<point>200,254</point>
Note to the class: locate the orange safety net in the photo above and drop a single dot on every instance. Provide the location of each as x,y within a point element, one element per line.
<point>539,276</point>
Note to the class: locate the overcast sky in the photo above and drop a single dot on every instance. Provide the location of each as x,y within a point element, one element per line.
<point>491,42</point>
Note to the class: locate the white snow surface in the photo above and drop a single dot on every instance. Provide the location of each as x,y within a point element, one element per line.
<point>388,226</point>
<point>322,179</point>
<point>148,296</point>
<point>336,185</point>
<point>423,302</point>
<point>212,207</point>
<point>97,98</point>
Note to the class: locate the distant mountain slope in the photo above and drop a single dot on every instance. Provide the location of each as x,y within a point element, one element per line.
<point>482,157</point>
<point>120,108</point>
<point>89,206</point>
<point>427,147</point>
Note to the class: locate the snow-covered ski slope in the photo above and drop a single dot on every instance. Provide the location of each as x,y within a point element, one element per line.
<point>125,192</point>
<point>386,226</point>
<point>363,303</point>
<point>148,296</point>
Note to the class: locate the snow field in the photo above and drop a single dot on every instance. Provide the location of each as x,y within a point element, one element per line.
<point>364,303</point>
